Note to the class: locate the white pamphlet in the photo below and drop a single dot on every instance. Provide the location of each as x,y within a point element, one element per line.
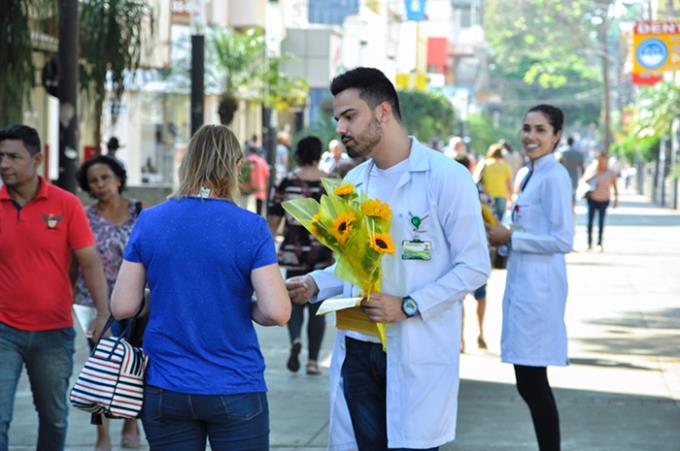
<point>85,315</point>
<point>335,304</point>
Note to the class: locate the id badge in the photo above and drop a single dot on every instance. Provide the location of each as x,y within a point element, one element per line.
<point>416,250</point>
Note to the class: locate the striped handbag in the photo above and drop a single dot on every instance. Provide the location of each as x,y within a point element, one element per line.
<point>112,381</point>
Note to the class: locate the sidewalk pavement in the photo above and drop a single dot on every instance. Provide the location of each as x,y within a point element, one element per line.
<point>620,392</point>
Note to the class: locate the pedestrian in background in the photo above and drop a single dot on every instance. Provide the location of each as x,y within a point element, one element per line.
<point>495,174</point>
<point>300,252</point>
<point>480,293</point>
<point>534,334</point>
<point>112,146</point>
<point>332,159</point>
<point>111,219</point>
<point>254,179</point>
<point>572,160</point>
<point>281,157</point>
<point>203,256</point>
<point>406,397</point>
<point>41,226</point>
<point>603,179</point>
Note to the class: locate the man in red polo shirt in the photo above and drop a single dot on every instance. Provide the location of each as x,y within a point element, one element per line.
<point>40,226</point>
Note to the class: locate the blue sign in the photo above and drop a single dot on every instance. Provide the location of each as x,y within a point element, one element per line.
<point>331,12</point>
<point>415,10</point>
<point>652,53</point>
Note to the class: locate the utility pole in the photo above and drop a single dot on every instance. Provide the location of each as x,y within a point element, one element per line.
<point>605,109</point>
<point>68,93</point>
<point>197,63</point>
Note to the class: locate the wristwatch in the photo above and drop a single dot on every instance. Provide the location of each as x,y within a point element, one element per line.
<point>409,306</point>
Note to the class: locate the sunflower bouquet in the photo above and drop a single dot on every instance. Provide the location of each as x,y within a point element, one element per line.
<point>357,230</point>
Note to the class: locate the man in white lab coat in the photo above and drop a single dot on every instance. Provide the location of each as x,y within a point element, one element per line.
<point>407,397</point>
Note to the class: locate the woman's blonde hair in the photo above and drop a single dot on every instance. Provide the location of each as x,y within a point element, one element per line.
<point>211,162</point>
<point>495,151</point>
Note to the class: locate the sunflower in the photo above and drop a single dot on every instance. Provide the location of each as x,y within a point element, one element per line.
<point>382,242</point>
<point>344,190</point>
<point>342,226</point>
<point>376,209</point>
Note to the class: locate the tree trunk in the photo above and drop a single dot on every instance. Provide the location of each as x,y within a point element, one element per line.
<point>605,109</point>
<point>68,93</point>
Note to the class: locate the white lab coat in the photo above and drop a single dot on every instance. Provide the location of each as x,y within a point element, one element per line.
<point>534,333</point>
<point>422,352</point>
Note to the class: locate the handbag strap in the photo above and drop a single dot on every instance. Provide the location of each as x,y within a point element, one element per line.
<point>129,327</point>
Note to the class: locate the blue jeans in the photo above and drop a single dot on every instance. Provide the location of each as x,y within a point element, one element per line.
<point>48,356</point>
<point>499,204</point>
<point>364,375</point>
<point>601,208</point>
<point>174,421</point>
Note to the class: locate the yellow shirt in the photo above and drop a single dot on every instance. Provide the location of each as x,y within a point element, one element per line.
<point>496,174</point>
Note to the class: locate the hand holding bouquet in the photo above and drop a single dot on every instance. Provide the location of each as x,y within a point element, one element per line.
<point>357,230</point>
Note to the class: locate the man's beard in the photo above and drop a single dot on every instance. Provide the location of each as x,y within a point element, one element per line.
<point>364,143</point>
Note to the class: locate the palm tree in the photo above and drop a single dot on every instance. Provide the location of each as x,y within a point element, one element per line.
<point>242,57</point>
<point>16,54</point>
<point>110,43</point>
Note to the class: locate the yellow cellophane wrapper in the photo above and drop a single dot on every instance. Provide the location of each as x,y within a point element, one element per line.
<point>356,260</point>
<point>488,216</point>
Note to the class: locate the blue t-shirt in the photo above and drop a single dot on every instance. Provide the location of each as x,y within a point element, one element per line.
<point>198,255</point>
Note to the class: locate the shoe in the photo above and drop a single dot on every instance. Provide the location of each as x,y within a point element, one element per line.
<point>294,361</point>
<point>600,248</point>
<point>313,368</point>
<point>481,343</point>
<point>589,248</point>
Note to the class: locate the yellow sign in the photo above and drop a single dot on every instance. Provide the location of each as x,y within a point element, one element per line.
<point>416,82</point>
<point>656,47</point>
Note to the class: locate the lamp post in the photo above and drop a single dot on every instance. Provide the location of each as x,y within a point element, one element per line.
<point>197,64</point>
<point>68,94</point>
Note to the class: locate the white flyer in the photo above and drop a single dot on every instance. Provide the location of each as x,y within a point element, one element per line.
<point>335,304</point>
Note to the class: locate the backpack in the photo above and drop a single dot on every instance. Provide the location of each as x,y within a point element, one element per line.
<point>112,381</point>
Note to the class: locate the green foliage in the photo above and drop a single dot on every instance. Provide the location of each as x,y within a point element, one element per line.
<point>16,55</point>
<point>110,43</point>
<point>426,115</point>
<point>547,52</point>
<point>656,107</point>
<point>483,133</point>
<point>247,70</point>
<point>542,40</point>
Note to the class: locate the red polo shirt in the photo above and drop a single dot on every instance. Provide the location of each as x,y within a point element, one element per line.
<point>35,253</point>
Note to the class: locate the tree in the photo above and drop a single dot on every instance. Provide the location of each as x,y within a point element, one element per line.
<point>16,54</point>
<point>248,70</point>
<point>111,44</point>
<point>426,115</point>
<point>552,45</point>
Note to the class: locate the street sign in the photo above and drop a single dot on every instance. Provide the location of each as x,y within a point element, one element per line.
<point>656,47</point>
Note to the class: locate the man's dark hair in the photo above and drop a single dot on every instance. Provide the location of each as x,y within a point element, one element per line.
<point>308,151</point>
<point>374,87</point>
<point>28,135</point>
<point>464,160</point>
<point>118,170</point>
<point>570,141</point>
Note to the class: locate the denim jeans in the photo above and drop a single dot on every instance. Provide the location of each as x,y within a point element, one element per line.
<point>174,421</point>
<point>364,375</point>
<point>48,356</point>
<point>601,208</point>
<point>499,204</point>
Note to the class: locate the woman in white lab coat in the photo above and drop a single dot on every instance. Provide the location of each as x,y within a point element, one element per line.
<point>534,334</point>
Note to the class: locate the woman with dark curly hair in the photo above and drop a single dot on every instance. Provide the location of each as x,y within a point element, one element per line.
<point>111,218</point>
<point>300,252</point>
